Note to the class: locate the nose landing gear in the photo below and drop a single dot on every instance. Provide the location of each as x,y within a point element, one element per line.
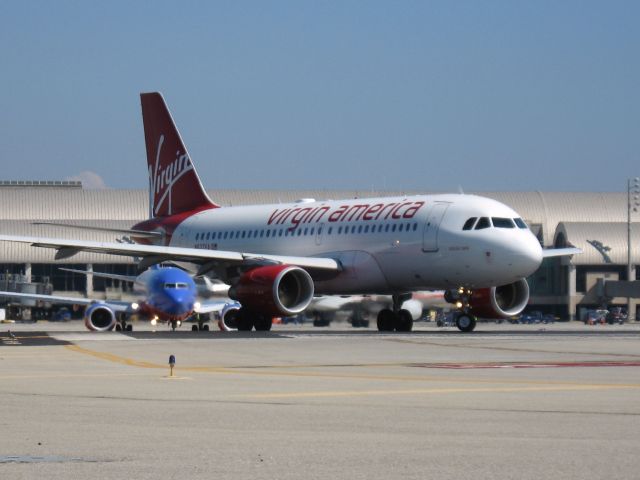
<point>464,320</point>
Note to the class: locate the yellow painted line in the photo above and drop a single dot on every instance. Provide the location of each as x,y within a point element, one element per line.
<point>275,371</point>
<point>114,358</point>
<point>437,391</point>
<point>69,375</point>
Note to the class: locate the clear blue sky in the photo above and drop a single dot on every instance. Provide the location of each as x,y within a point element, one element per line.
<point>428,95</point>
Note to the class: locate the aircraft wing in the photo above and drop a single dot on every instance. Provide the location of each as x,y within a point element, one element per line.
<point>116,306</point>
<point>560,252</point>
<point>158,253</point>
<point>111,276</point>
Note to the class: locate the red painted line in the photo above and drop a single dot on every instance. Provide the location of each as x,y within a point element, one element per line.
<point>465,366</point>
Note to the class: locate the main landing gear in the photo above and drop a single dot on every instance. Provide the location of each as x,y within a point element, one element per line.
<point>200,324</point>
<point>398,319</point>
<point>123,325</point>
<point>248,319</point>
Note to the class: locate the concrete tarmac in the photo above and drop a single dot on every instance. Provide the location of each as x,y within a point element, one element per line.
<point>508,402</point>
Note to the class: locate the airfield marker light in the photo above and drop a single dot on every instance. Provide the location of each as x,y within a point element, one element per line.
<point>172,363</point>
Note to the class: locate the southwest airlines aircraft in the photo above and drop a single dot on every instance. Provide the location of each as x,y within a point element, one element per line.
<point>166,294</point>
<point>277,257</point>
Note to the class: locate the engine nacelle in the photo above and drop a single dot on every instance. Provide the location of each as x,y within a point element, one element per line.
<point>500,302</point>
<point>99,318</point>
<point>228,321</point>
<point>276,290</point>
<point>414,307</point>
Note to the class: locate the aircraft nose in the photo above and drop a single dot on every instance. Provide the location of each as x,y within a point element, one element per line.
<point>527,256</point>
<point>180,303</point>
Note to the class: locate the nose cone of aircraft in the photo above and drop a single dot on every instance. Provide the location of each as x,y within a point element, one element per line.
<point>178,302</point>
<point>526,256</point>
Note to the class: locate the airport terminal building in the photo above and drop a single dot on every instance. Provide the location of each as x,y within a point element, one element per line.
<point>595,222</point>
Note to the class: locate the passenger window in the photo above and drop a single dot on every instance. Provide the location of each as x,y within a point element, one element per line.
<point>520,223</point>
<point>339,230</point>
<point>225,235</point>
<point>393,229</point>
<point>500,222</point>
<point>299,232</point>
<point>386,227</point>
<point>313,229</point>
<point>366,229</point>
<point>400,227</point>
<point>483,223</point>
<point>415,227</point>
<point>468,225</point>
<point>360,229</point>
<point>329,231</point>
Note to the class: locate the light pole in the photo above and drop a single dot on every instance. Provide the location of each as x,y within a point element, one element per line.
<point>633,203</point>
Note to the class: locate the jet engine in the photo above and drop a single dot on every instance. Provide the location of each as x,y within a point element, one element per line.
<point>500,302</point>
<point>228,321</point>
<point>99,318</point>
<point>276,290</point>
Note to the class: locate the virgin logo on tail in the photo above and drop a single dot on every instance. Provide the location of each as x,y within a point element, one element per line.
<point>162,180</point>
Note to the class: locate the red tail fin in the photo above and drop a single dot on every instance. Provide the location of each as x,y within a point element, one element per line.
<point>174,185</point>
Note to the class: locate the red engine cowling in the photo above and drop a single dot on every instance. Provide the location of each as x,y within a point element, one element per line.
<point>276,290</point>
<point>99,318</point>
<point>500,302</point>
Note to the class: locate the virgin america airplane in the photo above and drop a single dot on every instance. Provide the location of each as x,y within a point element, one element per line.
<point>277,257</point>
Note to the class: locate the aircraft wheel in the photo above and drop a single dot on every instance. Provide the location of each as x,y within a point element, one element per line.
<point>118,327</point>
<point>404,321</point>
<point>465,322</point>
<point>205,328</point>
<point>386,319</point>
<point>245,320</point>
<point>194,328</point>
<point>263,323</point>
<point>174,325</point>
<point>129,327</point>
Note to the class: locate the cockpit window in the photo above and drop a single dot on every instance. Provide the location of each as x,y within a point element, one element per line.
<point>484,222</point>
<point>468,225</point>
<point>500,222</point>
<point>520,223</point>
<point>173,286</point>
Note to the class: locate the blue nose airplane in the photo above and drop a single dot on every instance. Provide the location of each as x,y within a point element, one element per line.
<point>165,294</point>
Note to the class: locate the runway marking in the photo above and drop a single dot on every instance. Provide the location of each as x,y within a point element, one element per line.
<point>508,349</point>
<point>465,366</point>
<point>419,391</point>
<point>113,358</point>
<point>280,372</point>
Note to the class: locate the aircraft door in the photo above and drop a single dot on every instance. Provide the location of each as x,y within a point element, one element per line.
<point>432,226</point>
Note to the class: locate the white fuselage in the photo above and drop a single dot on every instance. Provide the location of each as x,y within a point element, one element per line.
<point>384,245</point>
